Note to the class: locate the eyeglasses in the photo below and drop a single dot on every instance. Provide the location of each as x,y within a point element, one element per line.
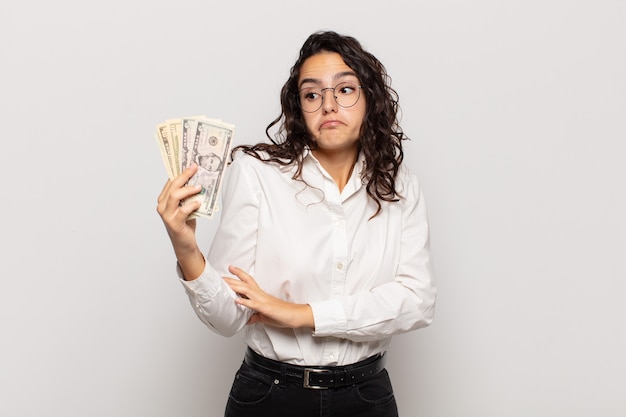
<point>346,95</point>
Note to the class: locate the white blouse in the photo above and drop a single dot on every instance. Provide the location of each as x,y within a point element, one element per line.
<point>305,242</point>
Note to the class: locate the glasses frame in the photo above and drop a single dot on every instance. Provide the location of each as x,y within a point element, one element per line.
<point>321,91</point>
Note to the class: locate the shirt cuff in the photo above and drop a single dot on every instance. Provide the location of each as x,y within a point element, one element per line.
<point>330,319</point>
<point>204,287</point>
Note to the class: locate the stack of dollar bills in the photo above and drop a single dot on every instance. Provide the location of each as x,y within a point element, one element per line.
<point>203,141</point>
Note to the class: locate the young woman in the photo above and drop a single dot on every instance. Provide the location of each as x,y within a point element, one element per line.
<point>322,253</point>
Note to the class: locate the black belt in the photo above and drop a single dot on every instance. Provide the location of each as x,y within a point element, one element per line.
<point>318,377</point>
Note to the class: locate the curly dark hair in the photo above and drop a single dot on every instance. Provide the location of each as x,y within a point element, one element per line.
<point>380,136</point>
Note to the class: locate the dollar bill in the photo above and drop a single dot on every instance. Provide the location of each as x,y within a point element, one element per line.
<point>210,151</point>
<point>202,141</point>
<point>167,150</point>
<point>189,127</point>
<point>175,132</point>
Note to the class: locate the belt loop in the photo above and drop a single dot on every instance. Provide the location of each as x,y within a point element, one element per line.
<point>283,375</point>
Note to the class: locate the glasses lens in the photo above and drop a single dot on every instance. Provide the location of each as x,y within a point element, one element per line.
<point>347,94</point>
<point>310,99</point>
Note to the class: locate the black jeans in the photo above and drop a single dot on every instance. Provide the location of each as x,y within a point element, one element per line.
<point>256,394</point>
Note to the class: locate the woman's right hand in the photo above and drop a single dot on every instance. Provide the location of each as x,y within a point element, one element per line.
<point>181,229</point>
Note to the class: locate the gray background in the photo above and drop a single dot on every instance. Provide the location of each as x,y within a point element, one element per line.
<point>516,113</point>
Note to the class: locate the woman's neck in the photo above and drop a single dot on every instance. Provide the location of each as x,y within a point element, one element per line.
<point>339,165</point>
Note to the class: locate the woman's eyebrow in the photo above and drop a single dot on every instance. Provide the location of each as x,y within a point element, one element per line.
<point>335,77</point>
<point>310,80</point>
<point>344,74</point>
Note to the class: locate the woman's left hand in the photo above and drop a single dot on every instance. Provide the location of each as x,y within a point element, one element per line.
<point>268,309</point>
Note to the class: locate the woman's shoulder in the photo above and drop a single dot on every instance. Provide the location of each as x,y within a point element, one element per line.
<point>260,161</point>
<point>407,181</point>
<point>405,174</point>
<point>244,159</point>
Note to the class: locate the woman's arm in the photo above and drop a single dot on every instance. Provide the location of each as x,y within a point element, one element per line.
<point>212,299</point>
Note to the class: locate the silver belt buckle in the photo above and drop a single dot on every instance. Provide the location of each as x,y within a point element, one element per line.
<point>307,373</point>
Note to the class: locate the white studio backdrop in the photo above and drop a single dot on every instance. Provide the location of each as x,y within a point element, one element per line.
<point>515,111</point>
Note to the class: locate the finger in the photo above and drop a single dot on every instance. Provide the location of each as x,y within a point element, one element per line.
<point>163,197</point>
<point>178,182</point>
<point>242,275</point>
<point>177,223</point>
<point>237,286</point>
<point>176,219</point>
<point>174,191</point>
<point>164,191</point>
<point>173,204</point>
<point>232,282</point>
<point>246,302</point>
<point>184,176</point>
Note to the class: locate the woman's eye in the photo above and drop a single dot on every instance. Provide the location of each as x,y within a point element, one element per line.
<point>346,89</point>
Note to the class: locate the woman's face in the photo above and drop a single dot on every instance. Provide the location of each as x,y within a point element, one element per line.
<point>335,129</point>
